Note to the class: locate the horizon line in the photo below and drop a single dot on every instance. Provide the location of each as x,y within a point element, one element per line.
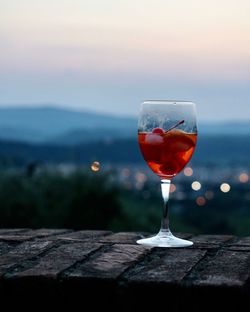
<point>65,107</point>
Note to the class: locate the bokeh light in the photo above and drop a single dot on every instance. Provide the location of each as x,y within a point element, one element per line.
<point>125,172</point>
<point>209,195</point>
<point>188,171</point>
<point>172,188</point>
<point>225,187</point>
<point>243,177</point>
<point>140,177</point>
<point>196,186</point>
<point>95,166</point>
<point>200,201</point>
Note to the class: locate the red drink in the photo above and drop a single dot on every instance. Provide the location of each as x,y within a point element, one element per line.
<point>167,152</point>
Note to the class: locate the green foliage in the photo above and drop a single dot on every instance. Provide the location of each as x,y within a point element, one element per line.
<point>94,201</point>
<point>53,200</point>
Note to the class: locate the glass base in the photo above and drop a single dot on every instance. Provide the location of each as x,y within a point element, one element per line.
<point>165,239</point>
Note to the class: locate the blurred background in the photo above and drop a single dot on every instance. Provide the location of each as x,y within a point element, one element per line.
<point>72,76</point>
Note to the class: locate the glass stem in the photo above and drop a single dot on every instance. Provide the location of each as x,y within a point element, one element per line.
<point>165,189</point>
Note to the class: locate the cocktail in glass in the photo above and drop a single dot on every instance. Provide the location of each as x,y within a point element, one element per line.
<point>167,136</point>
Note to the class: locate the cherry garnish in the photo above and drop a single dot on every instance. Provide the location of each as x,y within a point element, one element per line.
<point>158,131</point>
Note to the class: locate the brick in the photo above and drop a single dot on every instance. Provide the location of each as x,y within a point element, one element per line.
<point>80,236</point>
<point>167,266</point>
<point>227,268</point>
<point>21,253</point>
<point>111,263</point>
<point>57,260</point>
<point>211,239</point>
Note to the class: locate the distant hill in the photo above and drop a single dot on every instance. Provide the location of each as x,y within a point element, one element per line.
<point>210,150</point>
<point>93,135</point>
<point>49,124</point>
<point>67,127</point>
<point>225,128</point>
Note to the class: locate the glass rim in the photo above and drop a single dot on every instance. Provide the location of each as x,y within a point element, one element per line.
<point>183,102</point>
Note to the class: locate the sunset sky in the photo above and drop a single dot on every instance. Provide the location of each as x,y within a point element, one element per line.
<point>109,55</point>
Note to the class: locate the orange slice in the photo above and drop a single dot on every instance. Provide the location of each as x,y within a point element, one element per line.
<point>179,141</point>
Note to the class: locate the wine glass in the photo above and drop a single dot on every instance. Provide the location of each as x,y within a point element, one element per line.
<point>167,135</point>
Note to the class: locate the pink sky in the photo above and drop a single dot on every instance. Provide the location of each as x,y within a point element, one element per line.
<point>109,55</point>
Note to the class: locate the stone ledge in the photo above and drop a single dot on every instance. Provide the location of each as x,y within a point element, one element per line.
<point>67,266</point>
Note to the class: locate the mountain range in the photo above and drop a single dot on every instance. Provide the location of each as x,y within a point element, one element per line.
<point>57,125</point>
<point>52,125</point>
